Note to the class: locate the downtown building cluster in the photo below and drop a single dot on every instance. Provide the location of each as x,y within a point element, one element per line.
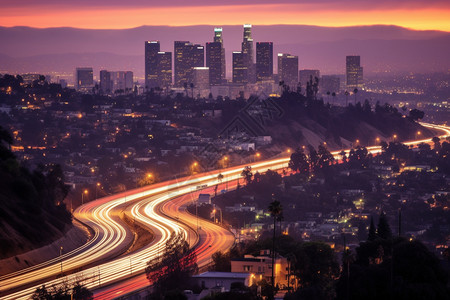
<point>200,71</point>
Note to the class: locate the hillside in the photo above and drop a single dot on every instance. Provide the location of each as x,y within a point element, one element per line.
<point>294,120</point>
<point>32,213</point>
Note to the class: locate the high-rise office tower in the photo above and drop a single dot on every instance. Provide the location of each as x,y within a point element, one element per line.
<point>354,72</point>
<point>264,61</point>
<point>151,72</point>
<point>84,79</point>
<point>304,76</point>
<point>187,57</point>
<point>164,69</point>
<point>218,38</point>
<point>240,68</point>
<point>247,51</point>
<point>288,70</point>
<point>106,85</point>
<point>215,58</point>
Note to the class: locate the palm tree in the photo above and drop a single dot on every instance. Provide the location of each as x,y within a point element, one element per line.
<point>346,97</point>
<point>219,177</point>
<point>276,211</point>
<point>328,94</point>
<point>333,94</point>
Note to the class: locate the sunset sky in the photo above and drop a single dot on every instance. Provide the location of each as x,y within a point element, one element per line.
<point>114,14</point>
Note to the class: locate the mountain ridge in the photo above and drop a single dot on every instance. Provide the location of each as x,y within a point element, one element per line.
<point>318,47</point>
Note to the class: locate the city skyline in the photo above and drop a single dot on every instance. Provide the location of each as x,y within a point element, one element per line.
<point>433,15</point>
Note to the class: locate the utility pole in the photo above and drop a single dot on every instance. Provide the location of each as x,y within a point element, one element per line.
<point>60,257</point>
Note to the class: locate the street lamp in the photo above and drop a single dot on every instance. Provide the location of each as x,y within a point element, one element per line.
<point>394,137</point>
<point>96,189</point>
<point>85,192</point>
<point>194,167</point>
<point>257,155</point>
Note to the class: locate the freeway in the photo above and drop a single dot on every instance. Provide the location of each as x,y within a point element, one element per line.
<point>160,209</point>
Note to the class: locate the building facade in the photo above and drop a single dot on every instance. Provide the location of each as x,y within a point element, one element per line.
<point>288,70</point>
<point>84,79</point>
<point>247,52</point>
<point>215,62</point>
<point>261,267</point>
<point>240,68</point>
<point>264,61</point>
<point>354,72</point>
<point>164,70</point>
<point>106,85</point>
<point>151,65</point>
<point>187,57</point>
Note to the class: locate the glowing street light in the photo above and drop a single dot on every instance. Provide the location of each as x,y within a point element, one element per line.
<point>96,189</point>
<point>85,192</point>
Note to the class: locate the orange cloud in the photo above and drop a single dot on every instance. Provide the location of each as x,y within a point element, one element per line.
<point>307,14</point>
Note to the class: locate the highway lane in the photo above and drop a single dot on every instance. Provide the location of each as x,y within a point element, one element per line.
<point>208,242</point>
<point>99,213</point>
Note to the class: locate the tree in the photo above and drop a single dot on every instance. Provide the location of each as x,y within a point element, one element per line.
<point>355,91</point>
<point>362,233</point>
<point>177,264</point>
<point>413,273</point>
<point>383,229</point>
<point>437,144</point>
<point>325,158</point>
<point>275,209</point>
<point>63,291</point>
<point>299,162</point>
<point>317,267</point>
<point>222,262</point>
<point>416,114</point>
<point>247,174</point>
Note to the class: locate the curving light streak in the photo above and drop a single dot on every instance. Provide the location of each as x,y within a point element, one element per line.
<point>111,235</point>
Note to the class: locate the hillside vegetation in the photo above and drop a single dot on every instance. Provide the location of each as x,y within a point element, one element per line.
<point>32,212</point>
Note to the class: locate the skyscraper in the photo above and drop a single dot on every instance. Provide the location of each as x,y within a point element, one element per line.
<point>304,76</point>
<point>164,69</point>
<point>218,38</point>
<point>151,72</point>
<point>187,57</point>
<point>247,51</point>
<point>264,61</point>
<point>105,82</point>
<point>354,72</point>
<point>288,70</point>
<point>215,58</point>
<point>240,68</point>
<point>84,79</point>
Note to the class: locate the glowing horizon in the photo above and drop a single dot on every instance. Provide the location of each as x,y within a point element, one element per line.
<point>98,17</point>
